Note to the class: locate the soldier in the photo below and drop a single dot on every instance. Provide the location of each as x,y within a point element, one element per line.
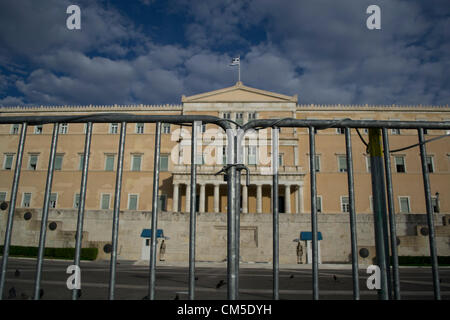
<point>162,251</point>
<point>299,253</point>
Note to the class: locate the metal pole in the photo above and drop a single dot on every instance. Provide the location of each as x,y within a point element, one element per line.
<point>312,165</point>
<point>12,207</point>
<point>392,223</point>
<point>115,228</point>
<point>81,203</point>
<point>431,233</point>
<point>192,225</point>
<point>152,277</point>
<point>351,200</point>
<point>379,206</point>
<point>275,211</point>
<point>231,219</point>
<point>48,189</point>
<point>238,154</point>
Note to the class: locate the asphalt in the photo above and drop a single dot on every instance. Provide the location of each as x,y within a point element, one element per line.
<point>255,281</point>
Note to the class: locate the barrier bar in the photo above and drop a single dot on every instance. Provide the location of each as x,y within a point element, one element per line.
<point>12,207</point>
<point>275,212</point>
<point>431,233</point>
<point>154,226</point>
<point>115,228</point>
<point>48,189</point>
<point>82,201</point>
<point>351,201</point>
<point>193,214</point>
<point>315,253</point>
<point>392,223</point>
<point>376,164</point>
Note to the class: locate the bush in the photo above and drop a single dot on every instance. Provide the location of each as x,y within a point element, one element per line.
<point>54,253</point>
<point>421,260</point>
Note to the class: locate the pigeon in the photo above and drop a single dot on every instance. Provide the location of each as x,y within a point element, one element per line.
<point>12,293</point>
<point>177,297</point>
<point>145,298</point>
<point>78,293</point>
<point>334,277</point>
<point>41,293</point>
<point>292,276</point>
<point>24,296</point>
<point>17,273</point>
<point>221,283</point>
<point>196,278</point>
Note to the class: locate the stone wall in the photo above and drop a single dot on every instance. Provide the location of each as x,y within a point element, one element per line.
<point>256,234</point>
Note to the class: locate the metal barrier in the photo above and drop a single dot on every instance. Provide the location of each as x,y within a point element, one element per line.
<point>385,229</point>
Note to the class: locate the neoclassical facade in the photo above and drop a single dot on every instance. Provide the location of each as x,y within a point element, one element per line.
<point>239,103</point>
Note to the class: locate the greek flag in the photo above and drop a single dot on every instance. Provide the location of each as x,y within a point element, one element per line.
<point>235,62</point>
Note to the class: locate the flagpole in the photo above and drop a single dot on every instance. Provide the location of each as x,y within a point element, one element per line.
<point>239,70</point>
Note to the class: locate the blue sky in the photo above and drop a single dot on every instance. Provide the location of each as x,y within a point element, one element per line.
<point>152,51</point>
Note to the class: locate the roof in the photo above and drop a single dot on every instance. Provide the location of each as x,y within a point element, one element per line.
<point>147,233</point>
<point>239,93</point>
<point>307,235</point>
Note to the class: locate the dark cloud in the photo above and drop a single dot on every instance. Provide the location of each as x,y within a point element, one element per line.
<point>320,50</point>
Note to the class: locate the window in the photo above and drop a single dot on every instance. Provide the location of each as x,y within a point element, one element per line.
<point>63,128</point>
<point>404,204</point>
<point>366,130</point>
<point>280,160</point>
<point>53,200</point>
<point>15,129</point>
<point>162,202</point>
<point>164,162</point>
<point>400,163</point>
<point>38,129</point>
<point>85,128</point>
<point>317,162</point>
<point>434,204</point>
<point>136,162</point>
<point>106,197</point>
<point>345,205</point>
<point>342,163</point>
<point>251,156</point>
<point>252,116</point>
<point>227,115</point>
<point>203,128</point>
<point>109,162</point>
<point>132,201</point>
<point>26,200</point>
<point>76,201</point>
<point>7,165</point>
<point>2,196</point>
<point>240,118</point>
<point>32,164</point>
<point>319,204</point>
<point>395,131</point>
<point>340,130</point>
<point>224,155</point>
<point>58,161</point>
<point>81,160</point>
<point>113,128</point>
<point>368,164</point>
<point>139,128</point>
<point>430,164</point>
<point>166,127</point>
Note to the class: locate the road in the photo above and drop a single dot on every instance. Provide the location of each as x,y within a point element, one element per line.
<point>171,282</point>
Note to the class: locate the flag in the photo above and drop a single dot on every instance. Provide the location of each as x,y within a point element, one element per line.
<point>235,62</point>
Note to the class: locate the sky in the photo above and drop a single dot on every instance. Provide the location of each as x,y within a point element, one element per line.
<point>153,51</point>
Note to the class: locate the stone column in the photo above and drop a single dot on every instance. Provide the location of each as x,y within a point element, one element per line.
<point>244,199</point>
<point>297,203</point>
<point>258,198</point>
<point>295,154</point>
<point>300,199</point>
<point>287,198</point>
<point>175,197</point>
<point>188,197</point>
<point>201,207</point>
<point>216,197</point>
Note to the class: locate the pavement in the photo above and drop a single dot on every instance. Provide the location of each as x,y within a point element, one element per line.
<point>255,281</point>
